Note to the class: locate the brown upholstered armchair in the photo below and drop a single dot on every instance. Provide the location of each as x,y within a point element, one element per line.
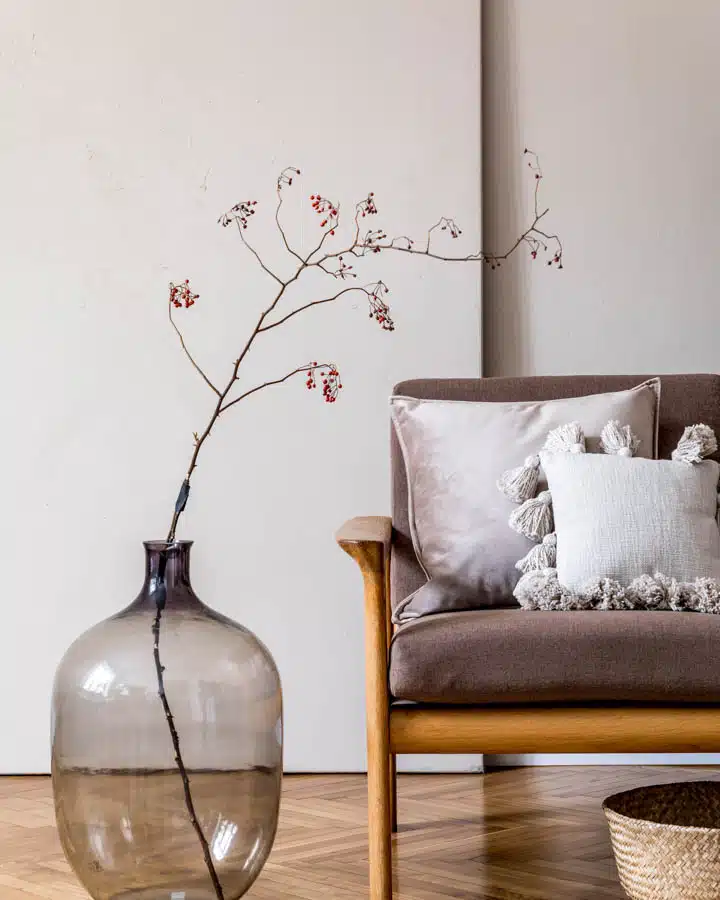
<point>511,681</point>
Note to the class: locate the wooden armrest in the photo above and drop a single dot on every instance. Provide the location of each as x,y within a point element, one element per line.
<point>367,540</point>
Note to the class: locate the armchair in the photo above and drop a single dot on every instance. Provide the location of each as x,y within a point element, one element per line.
<point>424,695</point>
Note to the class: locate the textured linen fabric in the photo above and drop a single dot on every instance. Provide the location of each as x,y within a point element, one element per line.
<point>618,517</point>
<point>685,398</point>
<point>454,453</point>
<point>515,656</point>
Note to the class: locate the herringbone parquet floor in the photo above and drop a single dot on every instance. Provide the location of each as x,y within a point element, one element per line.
<point>521,834</point>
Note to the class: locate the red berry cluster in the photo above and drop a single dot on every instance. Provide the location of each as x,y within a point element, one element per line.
<point>379,310</point>
<point>538,245</point>
<point>344,270</point>
<point>367,206</point>
<point>330,378</point>
<point>286,176</point>
<point>372,238</point>
<point>535,245</point>
<point>182,295</point>
<point>451,226</point>
<point>326,208</point>
<point>534,163</point>
<point>241,213</point>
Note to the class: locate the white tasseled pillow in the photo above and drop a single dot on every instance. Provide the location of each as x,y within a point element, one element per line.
<point>620,517</point>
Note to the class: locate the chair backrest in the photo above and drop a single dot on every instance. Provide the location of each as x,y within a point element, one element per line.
<point>684,400</point>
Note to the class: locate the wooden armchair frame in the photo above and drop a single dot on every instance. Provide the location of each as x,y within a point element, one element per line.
<point>475,729</point>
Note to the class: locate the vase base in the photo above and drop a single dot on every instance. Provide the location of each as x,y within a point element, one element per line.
<point>137,840</point>
<point>177,894</point>
<point>189,893</point>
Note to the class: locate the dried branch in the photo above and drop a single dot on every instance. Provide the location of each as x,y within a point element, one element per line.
<point>328,374</point>
<point>312,303</point>
<point>374,241</point>
<point>199,441</point>
<point>331,212</point>
<point>175,737</point>
<point>256,254</point>
<point>240,215</point>
<point>285,177</point>
<point>182,340</point>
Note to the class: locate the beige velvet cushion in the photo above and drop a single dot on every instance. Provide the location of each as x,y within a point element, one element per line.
<point>454,452</point>
<point>515,656</point>
<point>619,518</point>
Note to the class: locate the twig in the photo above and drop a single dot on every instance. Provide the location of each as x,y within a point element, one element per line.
<point>228,387</point>
<point>312,303</point>
<point>313,367</point>
<point>374,241</point>
<point>160,669</point>
<point>478,256</point>
<point>330,223</point>
<point>285,178</point>
<point>187,352</point>
<point>256,254</point>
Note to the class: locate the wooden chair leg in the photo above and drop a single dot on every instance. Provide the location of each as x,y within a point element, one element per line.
<point>379,813</point>
<point>393,793</point>
<point>378,733</point>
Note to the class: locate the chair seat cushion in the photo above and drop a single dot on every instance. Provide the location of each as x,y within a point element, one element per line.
<point>517,656</point>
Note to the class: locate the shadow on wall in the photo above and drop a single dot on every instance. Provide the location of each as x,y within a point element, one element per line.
<point>504,192</point>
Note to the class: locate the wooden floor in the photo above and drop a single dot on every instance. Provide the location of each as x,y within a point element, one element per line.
<point>521,834</point>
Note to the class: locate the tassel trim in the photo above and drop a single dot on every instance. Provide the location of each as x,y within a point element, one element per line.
<point>541,590</point>
<point>521,484</point>
<point>618,440</point>
<point>697,442</point>
<point>542,556</point>
<point>534,519</point>
<point>568,438</point>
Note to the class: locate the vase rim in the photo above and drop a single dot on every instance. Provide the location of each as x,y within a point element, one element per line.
<point>166,545</point>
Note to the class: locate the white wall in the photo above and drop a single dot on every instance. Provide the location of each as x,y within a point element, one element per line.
<point>619,98</point>
<point>128,127</point>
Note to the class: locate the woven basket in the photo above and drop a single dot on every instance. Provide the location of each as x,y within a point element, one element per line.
<point>666,840</point>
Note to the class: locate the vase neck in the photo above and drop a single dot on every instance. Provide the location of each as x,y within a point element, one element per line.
<point>167,572</point>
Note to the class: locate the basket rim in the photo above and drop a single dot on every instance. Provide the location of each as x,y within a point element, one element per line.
<point>667,826</point>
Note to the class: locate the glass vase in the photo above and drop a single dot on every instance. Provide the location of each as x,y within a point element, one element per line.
<point>167,746</point>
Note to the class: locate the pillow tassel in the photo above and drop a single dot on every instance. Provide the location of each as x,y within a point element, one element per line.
<point>697,442</point>
<point>648,592</point>
<point>681,595</point>
<point>605,594</point>
<point>618,440</point>
<point>707,595</point>
<point>534,519</point>
<point>542,590</point>
<point>566,439</point>
<point>541,556</point>
<point>520,484</point>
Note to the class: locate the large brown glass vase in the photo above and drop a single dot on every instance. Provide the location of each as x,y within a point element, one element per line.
<point>167,746</point>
